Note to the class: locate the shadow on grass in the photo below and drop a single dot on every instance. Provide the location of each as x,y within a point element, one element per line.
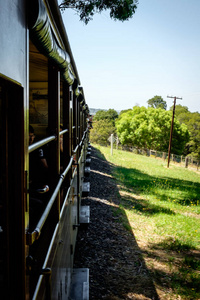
<point>159,187</point>
<point>173,244</point>
<point>143,206</point>
<point>184,265</point>
<point>173,265</point>
<point>181,278</point>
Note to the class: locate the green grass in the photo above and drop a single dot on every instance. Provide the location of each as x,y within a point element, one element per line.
<point>161,206</point>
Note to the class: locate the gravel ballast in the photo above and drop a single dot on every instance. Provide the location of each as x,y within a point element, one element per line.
<point>116,266</point>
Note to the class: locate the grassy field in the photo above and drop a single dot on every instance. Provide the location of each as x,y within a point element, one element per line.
<point>161,207</point>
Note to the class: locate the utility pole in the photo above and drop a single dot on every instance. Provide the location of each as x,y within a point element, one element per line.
<point>171,131</point>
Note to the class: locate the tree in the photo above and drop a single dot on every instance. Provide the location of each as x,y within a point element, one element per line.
<point>123,111</point>
<point>110,115</point>
<point>192,121</point>
<point>103,126</point>
<point>121,10</point>
<point>101,131</point>
<point>157,102</point>
<point>180,109</point>
<point>150,128</point>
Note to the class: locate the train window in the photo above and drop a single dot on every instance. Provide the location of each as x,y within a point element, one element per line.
<point>38,92</point>
<point>38,131</point>
<point>38,112</point>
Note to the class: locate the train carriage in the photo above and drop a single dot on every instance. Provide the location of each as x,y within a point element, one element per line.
<point>43,118</point>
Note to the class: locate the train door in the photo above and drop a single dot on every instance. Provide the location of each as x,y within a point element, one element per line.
<point>12,197</point>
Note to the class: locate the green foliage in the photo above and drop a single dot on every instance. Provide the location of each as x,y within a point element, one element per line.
<point>123,111</point>
<point>150,128</point>
<point>103,126</point>
<point>157,102</point>
<point>110,115</point>
<point>192,122</point>
<point>101,131</point>
<point>121,10</point>
<point>180,109</point>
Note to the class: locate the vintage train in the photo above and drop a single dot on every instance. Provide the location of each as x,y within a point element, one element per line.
<point>44,134</point>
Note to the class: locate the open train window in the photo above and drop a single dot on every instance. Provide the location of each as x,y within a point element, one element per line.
<point>38,92</point>
<point>38,112</point>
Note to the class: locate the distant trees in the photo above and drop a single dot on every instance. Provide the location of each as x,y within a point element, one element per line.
<point>192,121</point>
<point>103,126</point>
<point>157,102</point>
<point>121,10</point>
<point>109,115</point>
<point>150,128</point>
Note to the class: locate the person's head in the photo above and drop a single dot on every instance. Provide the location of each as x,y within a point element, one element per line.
<point>31,135</point>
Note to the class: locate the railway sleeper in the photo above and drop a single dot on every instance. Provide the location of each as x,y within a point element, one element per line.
<point>88,154</point>
<point>85,189</point>
<point>87,171</point>
<point>80,284</point>
<point>84,215</point>
<point>88,161</point>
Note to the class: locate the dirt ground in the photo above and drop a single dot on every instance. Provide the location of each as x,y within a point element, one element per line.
<point>116,265</point>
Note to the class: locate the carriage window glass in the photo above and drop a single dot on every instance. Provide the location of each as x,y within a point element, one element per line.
<point>38,112</point>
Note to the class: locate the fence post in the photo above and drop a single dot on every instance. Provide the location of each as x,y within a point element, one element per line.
<point>164,155</point>
<point>112,144</point>
<point>117,142</point>
<point>186,162</point>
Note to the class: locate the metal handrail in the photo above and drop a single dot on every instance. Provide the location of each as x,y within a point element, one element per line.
<point>75,150</point>
<point>81,142</point>
<point>49,249</point>
<point>63,131</point>
<point>37,231</point>
<point>45,141</point>
<point>41,143</point>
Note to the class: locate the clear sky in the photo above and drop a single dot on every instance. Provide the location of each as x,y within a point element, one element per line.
<point>157,52</point>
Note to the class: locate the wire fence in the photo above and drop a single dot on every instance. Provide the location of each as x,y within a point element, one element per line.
<point>183,161</point>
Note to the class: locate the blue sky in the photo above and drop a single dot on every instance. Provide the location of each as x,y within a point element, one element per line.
<point>157,52</point>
